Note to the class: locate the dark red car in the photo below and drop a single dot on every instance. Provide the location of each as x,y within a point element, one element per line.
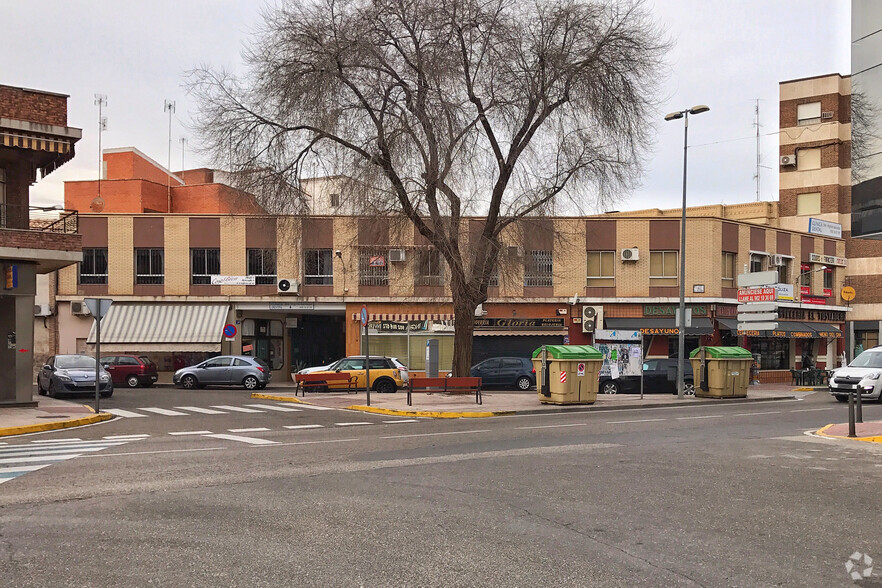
<point>130,370</point>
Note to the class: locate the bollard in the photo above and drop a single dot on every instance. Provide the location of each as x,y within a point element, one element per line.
<point>859,403</point>
<point>851,431</point>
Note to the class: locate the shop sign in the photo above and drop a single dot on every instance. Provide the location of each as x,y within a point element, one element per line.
<point>802,314</point>
<point>757,295</point>
<point>814,300</point>
<point>671,310</point>
<point>398,327</point>
<point>825,228</point>
<point>232,280</point>
<point>726,311</point>
<point>793,334</point>
<point>784,291</point>
<point>616,335</point>
<point>749,333</point>
<point>827,259</point>
<point>520,323</point>
<point>828,292</point>
<point>661,331</point>
<point>291,305</point>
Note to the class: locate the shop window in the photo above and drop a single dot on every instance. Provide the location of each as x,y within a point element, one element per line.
<point>774,354</point>
<point>149,266</point>
<point>728,269</point>
<point>539,268</point>
<point>866,339</point>
<point>809,203</point>
<point>601,268</point>
<point>808,114</point>
<point>262,265</point>
<point>372,268</point>
<point>93,268</point>
<point>784,271</point>
<point>204,263</point>
<point>429,270</point>
<point>828,281</point>
<point>318,265</point>
<point>662,268</point>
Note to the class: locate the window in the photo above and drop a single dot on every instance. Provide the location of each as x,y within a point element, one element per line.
<point>149,266</point>
<point>93,268</point>
<point>494,277</point>
<point>757,260</point>
<point>262,265</point>
<point>805,276</point>
<point>808,114</point>
<point>372,268</point>
<point>662,268</point>
<point>240,363</point>
<point>808,203</point>
<point>318,267</point>
<point>774,354</point>
<point>601,268</point>
<point>828,279</point>
<point>428,268</point>
<point>204,263</point>
<point>335,200</point>
<point>123,360</point>
<point>808,159</point>
<point>728,272</point>
<point>217,362</point>
<point>539,268</point>
<point>784,271</point>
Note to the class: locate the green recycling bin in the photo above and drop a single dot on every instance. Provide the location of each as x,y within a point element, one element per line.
<point>572,374</point>
<point>726,372</point>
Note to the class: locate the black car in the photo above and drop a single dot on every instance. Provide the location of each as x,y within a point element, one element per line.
<point>506,372</point>
<point>659,375</point>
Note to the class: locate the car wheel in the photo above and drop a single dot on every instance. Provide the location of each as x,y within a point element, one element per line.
<point>40,390</point>
<point>51,390</point>
<point>189,382</point>
<point>689,388</point>
<point>107,394</point>
<point>524,383</point>
<point>132,381</point>
<point>250,383</point>
<point>384,386</point>
<point>610,388</point>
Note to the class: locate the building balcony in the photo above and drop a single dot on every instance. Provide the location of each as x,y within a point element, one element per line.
<point>48,237</point>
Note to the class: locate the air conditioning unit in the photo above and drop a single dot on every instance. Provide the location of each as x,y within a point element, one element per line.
<point>397,255</point>
<point>479,311</point>
<point>42,310</point>
<point>827,114</point>
<point>630,254</point>
<point>288,287</point>
<point>592,318</point>
<point>777,260</point>
<point>79,308</point>
<point>788,160</point>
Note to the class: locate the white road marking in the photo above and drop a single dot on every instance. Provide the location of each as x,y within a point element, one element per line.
<point>57,440</point>
<point>235,408</point>
<point>304,426</point>
<point>151,452</point>
<point>191,433</point>
<point>49,457</point>
<point>553,426</point>
<point>314,407</point>
<point>276,408</point>
<point>433,434</point>
<point>251,430</point>
<point>200,409</point>
<point>813,409</point>
<point>13,472</point>
<point>53,450</point>
<point>402,421</point>
<point>164,411</point>
<point>755,413</point>
<point>141,436</point>
<point>634,421</point>
<point>124,413</point>
<point>250,440</point>
<point>350,424</point>
<point>709,416</point>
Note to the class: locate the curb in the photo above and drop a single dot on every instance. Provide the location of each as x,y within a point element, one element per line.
<point>432,414</point>
<point>95,418</point>
<point>263,396</point>
<point>821,433</point>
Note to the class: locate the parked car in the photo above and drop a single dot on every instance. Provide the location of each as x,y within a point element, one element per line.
<point>508,372</point>
<point>72,374</point>
<point>864,373</point>
<point>131,370</point>
<point>225,370</point>
<point>659,375</point>
<point>387,373</point>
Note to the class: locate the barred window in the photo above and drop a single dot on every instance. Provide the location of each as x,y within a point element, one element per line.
<point>494,276</point>
<point>204,263</point>
<point>149,266</point>
<point>538,269</point>
<point>93,268</point>
<point>318,267</point>
<point>429,270</point>
<point>262,265</point>
<point>372,268</point>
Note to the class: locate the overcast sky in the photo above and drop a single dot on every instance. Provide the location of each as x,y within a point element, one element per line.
<point>726,55</point>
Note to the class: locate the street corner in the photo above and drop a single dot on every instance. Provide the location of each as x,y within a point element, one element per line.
<point>868,432</point>
<point>435,414</point>
<point>54,425</point>
<point>277,397</point>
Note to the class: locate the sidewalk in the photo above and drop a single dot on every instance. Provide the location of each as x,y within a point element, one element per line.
<point>50,414</point>
<point>869,431</point>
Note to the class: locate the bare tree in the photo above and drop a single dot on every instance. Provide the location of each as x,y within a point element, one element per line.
<point>496,108</point>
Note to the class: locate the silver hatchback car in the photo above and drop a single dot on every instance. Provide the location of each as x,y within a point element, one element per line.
<point>226,370</point>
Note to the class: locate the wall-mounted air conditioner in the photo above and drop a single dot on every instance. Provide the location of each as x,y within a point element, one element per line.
<point>397,255</point>
<point>630,254</point>
<point>42,310</point>
<point>288,287</point>
<point>788,160</point>
<point>79,308</point>
<point>777,260</point>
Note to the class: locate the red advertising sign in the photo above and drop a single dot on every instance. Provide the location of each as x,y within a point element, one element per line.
<point>756,295</point>
<point>814,300</point>
<point>828,292</point>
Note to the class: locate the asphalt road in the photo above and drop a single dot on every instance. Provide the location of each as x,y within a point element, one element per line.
<point>725,495</point>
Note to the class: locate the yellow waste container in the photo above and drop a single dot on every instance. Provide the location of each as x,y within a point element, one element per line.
<point>572,374</point>
<point>726,372</point>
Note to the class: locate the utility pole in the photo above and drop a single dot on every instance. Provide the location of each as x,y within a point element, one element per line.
<point>100,100</point>
<point>183,147</point>
<point>757,125</point>
<point>170,109</point>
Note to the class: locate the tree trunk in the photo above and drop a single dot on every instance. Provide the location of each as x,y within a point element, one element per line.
<point>464,313</point>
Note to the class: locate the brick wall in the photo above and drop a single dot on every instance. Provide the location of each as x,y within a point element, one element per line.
<point>33,106</point>
<point>41,240</point>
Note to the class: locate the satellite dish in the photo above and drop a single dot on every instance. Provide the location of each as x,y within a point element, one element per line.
<point>97,205</point>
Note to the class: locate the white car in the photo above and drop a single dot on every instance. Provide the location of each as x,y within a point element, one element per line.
<point>330,367</point>
<point>864,373</point>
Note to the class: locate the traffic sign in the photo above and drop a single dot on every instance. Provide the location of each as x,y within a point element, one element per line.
<point>749,317</point>
<point>364,316</point>
<point>98,306</point>
<point>758,307</point>
<point>757,279</point>
<point>757,294</point>
<point>229,331</point>
<point>847,293</point>
<point>757,326</point>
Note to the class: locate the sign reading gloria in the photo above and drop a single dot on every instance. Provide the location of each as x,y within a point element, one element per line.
<point>524,323</point>
<point>232,280</point>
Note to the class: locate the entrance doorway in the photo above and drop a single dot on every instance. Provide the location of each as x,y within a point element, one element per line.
<point>317,340</point>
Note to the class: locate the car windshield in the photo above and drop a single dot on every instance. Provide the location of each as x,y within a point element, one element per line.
<point>867,359</point>
<point>73,362</point>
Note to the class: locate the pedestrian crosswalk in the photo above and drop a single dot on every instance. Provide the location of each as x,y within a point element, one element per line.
<point>178,411</point>
<point>18,460</point>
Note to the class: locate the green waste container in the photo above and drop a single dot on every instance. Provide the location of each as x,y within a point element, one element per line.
<point>572,374</point>
<point>726,372</point>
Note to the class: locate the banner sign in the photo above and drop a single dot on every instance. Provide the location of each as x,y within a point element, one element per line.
<point>784,291</point>
<point>826,260</point>
<point>520,323</point>
<point>825,228</point>
<point>671,310</point>
<point>398,327</point>
<point>377,261</point>
<point>232,280</point>
<point>757,294</point>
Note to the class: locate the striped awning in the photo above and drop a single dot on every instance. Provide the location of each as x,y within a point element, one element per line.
<point>172,327</point>
<point>404,317</point>
<point>62,147</point>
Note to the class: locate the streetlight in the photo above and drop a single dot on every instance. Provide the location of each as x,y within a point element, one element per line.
<point>684,114</point>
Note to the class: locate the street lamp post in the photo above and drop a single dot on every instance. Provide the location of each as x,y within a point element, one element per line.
<point>681,326</point>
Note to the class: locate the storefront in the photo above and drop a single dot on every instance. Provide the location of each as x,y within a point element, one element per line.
<point>404,336</point>
<point>515,337</point>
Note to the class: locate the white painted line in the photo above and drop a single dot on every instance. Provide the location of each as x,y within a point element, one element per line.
<point>58,440</point>
<point>273,407</point>
<point>124,413</point>
<point>200,409</point>
<point>141,436</point>
<point>402,421</point>
<point>152,452</point>
<point>22,469</point>
<point>634,421</point>
<point>755,413</point>
<point>813,409</point>
<point>312,407</point>
<point>191,433</point>
<point>304,426</point>
<point>709,416</point>
<point>52,458</point>
<point>25,450</point>
<point>235,408</point>
<point>433,434</point>
<point>249,440</point>
<point>350,424</point>
<point>251,430</point>
<point>553,426</point>
<point>164,411</point>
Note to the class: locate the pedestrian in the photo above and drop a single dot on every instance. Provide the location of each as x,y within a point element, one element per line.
<point>807,361</point>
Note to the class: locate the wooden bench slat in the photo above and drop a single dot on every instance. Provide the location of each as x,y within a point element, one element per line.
<point>446,385</point>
